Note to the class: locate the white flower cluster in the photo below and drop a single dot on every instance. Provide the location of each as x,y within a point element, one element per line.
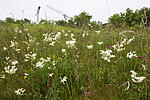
<point>98,32</point>
<point>50,75</point>
<point>72,37</point>
<point>31,39</point>
<point>20,91</point>
<point>89,46</point>
<point>4,48</point>
<point>120,47</point>
<point>63,50</point>
<point>71,44</point>
<point>100,43</point>
<point>11,69</point>
<point>57,36</point>
<point>85,34</point>
<point>40,64</point>
<point>131,54</point>
<point>64,79</point>
<point>136,79</point>
<point>31,56</point>
<point>14,45</point>
<point>49,38</point>
<point>106,55</point>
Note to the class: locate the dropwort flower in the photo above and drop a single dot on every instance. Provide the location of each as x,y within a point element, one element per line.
<point>70,44</point>
<point>106,55</point>
<point>20,91</point>
<point>4,48</point>
<point>89,46</point>
<point>14,45</point>
<point>136,79</point>
<point>40,64</point>
<point>10,70</point>
<point>100,43</point>
<point>131,54</point>
<point>64,79</point>
<point>51,74</point>
<point>63,50</point>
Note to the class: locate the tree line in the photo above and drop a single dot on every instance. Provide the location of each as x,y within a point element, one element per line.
<point>83,20</point>
<point>131,18</point>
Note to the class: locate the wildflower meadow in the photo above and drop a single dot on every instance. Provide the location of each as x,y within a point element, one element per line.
<point>52,62</point>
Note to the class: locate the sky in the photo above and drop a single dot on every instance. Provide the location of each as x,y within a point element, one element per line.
<point>99,9</point>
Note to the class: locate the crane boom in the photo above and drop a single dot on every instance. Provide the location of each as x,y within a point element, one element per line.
<point>58,11</point>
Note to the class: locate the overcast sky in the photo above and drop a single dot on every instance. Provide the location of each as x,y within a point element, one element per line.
<point>97,8</point>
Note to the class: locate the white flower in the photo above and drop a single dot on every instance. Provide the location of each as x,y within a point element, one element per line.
<point>106,55</point>
<point>131,54</point>
<point>33,56</point>
<point>11,70</point>
<point>51,74</point>
<point>63,50</point>
<point>48,59</point>
<point>26,74</point>
<point>7,58</point>
<point>100,43</point>
<point>31,39</point>
<point>40,64</point>
<point>136,79</point>
<point>4,48</point>
<point>13,44</point>
<point>54,63</point>
<point>20,91</point>
<point>130,40</point>
<point>98,32</point>
<point>52,43</point>
<point>66,34</point>
<point>89,46</point>
<point>25,30</point>
<point>2,76</point>
<point>14,62</point>
<point>64,79</point>
<point>72,35</point>
<point>83,35</point>
<point>70,44</point>
<point>133,73</point>
<point>57,36</point>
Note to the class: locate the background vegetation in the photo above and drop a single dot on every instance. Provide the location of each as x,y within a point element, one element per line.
<point>66,60</point>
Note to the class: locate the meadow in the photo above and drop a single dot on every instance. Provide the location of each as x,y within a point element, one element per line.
<point>51,62</point>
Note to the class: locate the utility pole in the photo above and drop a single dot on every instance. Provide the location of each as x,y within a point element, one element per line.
<point>37,14</point>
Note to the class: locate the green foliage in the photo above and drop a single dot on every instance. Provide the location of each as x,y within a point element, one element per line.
<point>9,20</point>
<point>130,18</point>
<point>80,21</point>
<point>89,75</point>
<point>61,22</point>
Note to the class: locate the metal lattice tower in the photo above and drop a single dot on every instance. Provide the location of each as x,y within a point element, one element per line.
<point>37,14</point>
<point>58,11</point>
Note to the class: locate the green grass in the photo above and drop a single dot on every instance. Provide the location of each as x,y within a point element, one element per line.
<point>89,76</point>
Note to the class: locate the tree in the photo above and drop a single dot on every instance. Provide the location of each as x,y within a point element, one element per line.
<point>61,22</point>
<point>131,18</point>
<point>9,20</point>
<point>82,20</point>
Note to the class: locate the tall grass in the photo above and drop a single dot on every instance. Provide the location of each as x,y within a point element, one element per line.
<point>89,76</point>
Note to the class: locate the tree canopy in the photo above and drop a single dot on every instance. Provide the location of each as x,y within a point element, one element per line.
<point>131,18</point>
